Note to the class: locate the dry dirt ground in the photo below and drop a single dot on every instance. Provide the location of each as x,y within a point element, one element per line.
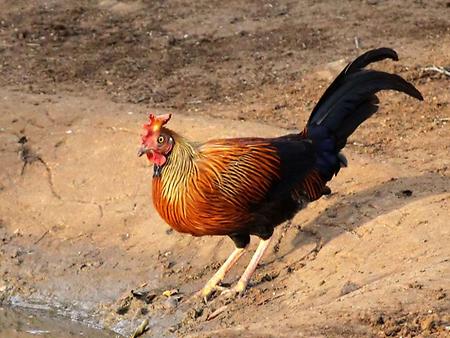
<point>78,234</point>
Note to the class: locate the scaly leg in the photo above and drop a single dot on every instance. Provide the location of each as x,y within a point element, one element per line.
<point>241,285</point>
<point>212,284</point>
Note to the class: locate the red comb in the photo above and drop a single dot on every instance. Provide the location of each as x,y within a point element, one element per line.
<point>156,122</point>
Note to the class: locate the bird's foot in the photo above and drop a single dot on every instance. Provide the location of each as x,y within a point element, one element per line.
<point>234,292</point>
<point>210,289</point>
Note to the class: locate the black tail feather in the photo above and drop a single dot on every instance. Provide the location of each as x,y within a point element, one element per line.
<point>359,63</point>
<point>369,57</point>
<point>367,108</point>
<point>348,102</point>
<point>351,98</point>
<point>351,95</point>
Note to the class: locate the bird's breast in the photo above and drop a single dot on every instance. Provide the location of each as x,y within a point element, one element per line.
<point>170,207</point>
<point>197,210</point>
<point>175,209</point>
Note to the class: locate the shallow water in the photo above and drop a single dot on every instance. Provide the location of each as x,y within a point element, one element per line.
<point>16,323</point>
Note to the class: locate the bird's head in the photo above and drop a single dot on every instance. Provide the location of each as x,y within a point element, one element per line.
<point>157,142</point>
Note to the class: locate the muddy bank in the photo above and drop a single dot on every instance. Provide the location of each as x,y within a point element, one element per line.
<point>16,323</point>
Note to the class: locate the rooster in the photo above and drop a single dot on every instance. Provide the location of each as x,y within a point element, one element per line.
<point>248,186</point>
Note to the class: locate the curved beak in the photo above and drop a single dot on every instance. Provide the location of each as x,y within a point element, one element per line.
<point>143,150</point>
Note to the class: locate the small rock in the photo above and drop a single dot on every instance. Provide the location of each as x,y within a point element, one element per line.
<point>171,302</point>
<point>3,287</point>
<point>16,253</point>
<point>279,106</point>
<point>441,295</point>
<point>428,323</point>
<point>174,328</point>
<point>169,293</point>
<point>415,285</point>
<point>124,304</point>
<point>194,313</point>
<point>379,320</point>
<point>404,193</point>
<point>348,288</point>
<point>144,294</point>
<point>269,276</point>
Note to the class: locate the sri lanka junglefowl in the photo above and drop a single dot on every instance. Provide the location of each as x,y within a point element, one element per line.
<point>247,186</point>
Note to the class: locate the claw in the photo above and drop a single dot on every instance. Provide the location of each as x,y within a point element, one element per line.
<point>209,290</point>
<point>236,291</point>
<point>230,294</point>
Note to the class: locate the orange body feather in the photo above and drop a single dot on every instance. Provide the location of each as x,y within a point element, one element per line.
<point>212,196</point>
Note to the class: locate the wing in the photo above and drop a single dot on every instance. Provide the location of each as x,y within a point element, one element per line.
<point>237,186</point>
<point>240,178</point>
<point>241,170</point>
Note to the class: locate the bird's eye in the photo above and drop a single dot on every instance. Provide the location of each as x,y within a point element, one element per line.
<point>160,139</point>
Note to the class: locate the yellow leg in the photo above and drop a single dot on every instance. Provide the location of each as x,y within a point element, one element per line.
<point>212,284</point>
<point>241,285</point>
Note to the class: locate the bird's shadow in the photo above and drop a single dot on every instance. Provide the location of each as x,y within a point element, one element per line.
<point>353,210</point>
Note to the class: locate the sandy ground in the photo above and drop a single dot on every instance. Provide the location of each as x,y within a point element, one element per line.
<point>78,233</point>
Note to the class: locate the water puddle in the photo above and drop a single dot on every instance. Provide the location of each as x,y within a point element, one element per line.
<point>16,323</point>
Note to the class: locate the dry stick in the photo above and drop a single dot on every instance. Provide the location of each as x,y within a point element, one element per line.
<point>356,39</point>
<point>42,237</point>
<point>141,329</point>
<point>438,69</point>
<point>217,312</point>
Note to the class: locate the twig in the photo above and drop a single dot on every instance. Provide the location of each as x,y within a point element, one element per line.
<point>141,329</point>
<point>356,42</point>
<point>217,312</point>
<point>438,69</point>
<point>42,237</point>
